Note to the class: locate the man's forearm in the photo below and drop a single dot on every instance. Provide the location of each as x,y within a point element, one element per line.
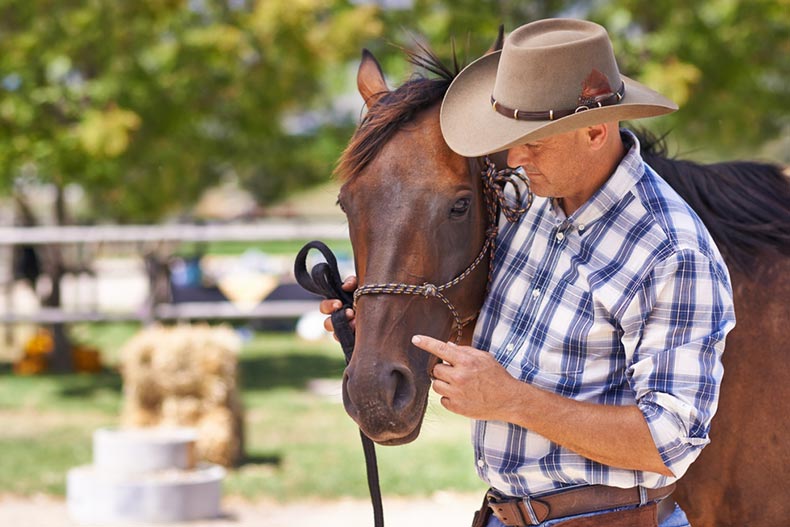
<point>472,383</point>
<point>613,435</point>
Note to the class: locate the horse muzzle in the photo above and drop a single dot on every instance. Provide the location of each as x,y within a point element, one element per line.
<point>386,401</point>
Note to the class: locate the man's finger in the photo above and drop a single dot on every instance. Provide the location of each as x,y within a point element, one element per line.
<point>441,387</point>
<point>442,372</point>
<point>444,350</point>
<point>349,316</point>
<point>327,307</point>
<point>350,283</point>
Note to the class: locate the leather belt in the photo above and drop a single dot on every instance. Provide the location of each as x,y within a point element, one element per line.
<point>521,512</point>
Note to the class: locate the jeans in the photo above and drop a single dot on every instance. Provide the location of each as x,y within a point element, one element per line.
<point>676,519</point>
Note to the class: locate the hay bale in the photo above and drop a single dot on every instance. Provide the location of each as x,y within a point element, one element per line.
<point>220,440</point>
<point>186,375</point>
<point>136,416</point>
<point>181,411</point>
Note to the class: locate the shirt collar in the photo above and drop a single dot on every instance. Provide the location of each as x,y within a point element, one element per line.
<point>625,176</point>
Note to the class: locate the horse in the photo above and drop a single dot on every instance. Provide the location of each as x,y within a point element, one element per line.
<point>417,214</point>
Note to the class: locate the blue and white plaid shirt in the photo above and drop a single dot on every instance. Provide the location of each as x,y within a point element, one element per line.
<point>625,302</point>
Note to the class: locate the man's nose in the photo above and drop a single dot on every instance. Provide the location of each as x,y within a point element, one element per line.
<point>516,156</point>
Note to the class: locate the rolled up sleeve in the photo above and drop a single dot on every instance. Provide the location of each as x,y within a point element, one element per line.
<point>681,319</point>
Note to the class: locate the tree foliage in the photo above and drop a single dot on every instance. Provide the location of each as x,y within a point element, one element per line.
<point>145,103</point>
<point>725,62</point>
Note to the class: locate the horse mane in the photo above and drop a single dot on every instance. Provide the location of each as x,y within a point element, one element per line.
<point>394,109</point>
<point>744,204</point>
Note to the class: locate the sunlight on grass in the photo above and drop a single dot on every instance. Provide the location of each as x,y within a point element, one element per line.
<point>298,443</point>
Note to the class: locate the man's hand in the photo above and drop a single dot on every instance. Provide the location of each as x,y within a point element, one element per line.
<point>327,307</point>
<point>471,382</point>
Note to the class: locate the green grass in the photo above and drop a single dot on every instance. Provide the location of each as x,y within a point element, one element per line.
<point>298,444</point>
<point>273,247</point>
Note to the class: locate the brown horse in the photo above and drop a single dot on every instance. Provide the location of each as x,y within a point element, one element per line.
<point>417,215</point>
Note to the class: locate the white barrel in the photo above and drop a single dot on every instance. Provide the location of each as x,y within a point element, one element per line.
<point>139,450</point>
<point>100,497</point>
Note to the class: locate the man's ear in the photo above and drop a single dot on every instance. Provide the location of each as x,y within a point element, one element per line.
<point>370,79</point>
<point>597,135</point>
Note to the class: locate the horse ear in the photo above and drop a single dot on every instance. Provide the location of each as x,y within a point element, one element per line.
<point>370,79</point>
<point>500,40</point>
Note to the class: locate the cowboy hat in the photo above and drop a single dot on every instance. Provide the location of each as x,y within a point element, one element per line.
<point>552,76</point>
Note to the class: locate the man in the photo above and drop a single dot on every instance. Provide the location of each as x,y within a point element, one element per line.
<point>609,302</point>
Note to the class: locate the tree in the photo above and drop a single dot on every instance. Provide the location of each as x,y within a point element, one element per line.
<point>144,104</point>
<point>725,62</point>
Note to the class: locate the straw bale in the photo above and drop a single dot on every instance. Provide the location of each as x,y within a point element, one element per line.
<point>186,375</point>
<point>137,353</point>
<point>219,437</point>
<point>135,416</point>
<point>144,391</point>
<point>174,362</point>
<point>181,411</point>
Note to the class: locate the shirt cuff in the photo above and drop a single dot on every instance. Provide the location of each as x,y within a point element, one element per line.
<point>666,418</point>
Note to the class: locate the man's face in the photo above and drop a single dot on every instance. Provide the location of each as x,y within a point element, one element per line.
<point>555,165</point>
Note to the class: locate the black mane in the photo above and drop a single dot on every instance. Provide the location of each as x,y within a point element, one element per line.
<point>745,205</point>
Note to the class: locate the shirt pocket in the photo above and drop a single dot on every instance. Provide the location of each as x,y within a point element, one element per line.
<point>572,335</point>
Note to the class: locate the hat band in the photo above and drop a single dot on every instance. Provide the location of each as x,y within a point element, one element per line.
<point>585,103</point>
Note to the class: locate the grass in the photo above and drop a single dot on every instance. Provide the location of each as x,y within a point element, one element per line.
<point>299,444</point>
<point>272,247</point>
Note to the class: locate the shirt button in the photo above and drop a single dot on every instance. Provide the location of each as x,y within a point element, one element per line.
<point>535,293</point>
<point>510,347</point>
<point>481,463</point>
<point>581,226</point>
<point>560,236</point>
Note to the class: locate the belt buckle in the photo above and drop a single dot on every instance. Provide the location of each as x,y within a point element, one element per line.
<point>528,511</point>
<point>507,509</point>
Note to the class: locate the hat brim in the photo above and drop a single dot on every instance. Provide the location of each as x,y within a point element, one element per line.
<point>472,128</point>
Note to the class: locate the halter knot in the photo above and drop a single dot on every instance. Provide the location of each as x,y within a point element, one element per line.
<point>429,290</point>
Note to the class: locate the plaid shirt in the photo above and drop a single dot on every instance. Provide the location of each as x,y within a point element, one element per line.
<point>625,302</point>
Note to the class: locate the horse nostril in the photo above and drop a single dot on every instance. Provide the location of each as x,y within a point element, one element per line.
<point>401,388</point>
<point>348,403</point>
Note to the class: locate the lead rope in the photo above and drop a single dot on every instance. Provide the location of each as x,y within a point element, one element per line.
<point>324,280</point>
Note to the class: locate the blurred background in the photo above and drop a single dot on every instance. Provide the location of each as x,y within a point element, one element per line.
<point>162,161</point>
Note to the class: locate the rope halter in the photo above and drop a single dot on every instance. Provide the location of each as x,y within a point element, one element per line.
<point>494,183</point>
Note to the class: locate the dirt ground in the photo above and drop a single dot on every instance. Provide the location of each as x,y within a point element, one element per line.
<point>443,509</point>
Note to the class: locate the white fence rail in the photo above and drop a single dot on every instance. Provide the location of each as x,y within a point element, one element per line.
<point>145,235</point>
<point>263,231</point>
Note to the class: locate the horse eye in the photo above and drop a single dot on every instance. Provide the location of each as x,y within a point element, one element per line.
<point>460,207</point>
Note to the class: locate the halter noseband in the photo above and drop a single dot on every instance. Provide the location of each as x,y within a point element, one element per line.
<point>494,183</point>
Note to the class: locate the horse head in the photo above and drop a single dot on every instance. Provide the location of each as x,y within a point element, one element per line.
<point>417,221</point>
